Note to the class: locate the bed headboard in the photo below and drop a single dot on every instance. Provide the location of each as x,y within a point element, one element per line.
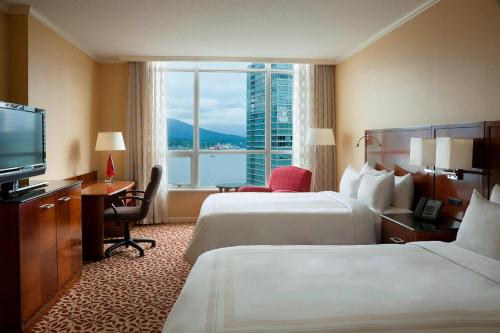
<point>394,154</point>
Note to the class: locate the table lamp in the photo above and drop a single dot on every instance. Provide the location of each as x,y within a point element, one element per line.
<point>109,141</point>
<point>319,137</point>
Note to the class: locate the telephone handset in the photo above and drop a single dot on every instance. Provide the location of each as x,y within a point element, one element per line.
<point>428,208</point>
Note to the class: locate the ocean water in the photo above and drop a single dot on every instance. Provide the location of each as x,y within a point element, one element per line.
<point>214,169</point>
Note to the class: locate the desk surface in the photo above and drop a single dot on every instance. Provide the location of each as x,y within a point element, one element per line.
<point>100,188</point>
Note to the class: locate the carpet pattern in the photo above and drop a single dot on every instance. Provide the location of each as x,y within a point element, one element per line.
<point>126,293</point>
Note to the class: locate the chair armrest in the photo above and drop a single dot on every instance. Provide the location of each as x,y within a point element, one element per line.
<point>286,191</point>
<point>254,189</point>
<point>135,197</point>
<point>135,191</point>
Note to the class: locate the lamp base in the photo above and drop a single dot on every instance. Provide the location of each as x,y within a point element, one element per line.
<point>110,169</point>
<point>110,180</point>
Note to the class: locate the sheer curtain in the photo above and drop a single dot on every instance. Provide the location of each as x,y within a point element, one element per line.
<point>313,107</point>
<point>303,89</point>
<point>147,131</point>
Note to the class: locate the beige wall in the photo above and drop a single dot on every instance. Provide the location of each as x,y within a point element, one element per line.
<point>185,203</point>
<point>17,54</point>
<point>443,66</point>
<point>64,81</point>
<point>111,115</point>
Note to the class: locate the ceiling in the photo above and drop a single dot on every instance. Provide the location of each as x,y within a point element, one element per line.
<point>319,30</point>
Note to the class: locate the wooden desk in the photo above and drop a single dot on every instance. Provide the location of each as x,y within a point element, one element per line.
<point>95,197</point>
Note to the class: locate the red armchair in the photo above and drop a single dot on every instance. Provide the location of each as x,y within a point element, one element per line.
<point>285,179</point>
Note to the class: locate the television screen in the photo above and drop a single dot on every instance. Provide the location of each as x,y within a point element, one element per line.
<point>21,138</point>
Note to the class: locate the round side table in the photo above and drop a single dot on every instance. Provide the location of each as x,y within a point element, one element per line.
<point>227,187</point>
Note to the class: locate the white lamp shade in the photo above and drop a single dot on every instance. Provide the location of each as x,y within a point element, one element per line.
<point>454,153</point>
<point>320,137</point>
<point>108,141</point>
<point>422,151</point>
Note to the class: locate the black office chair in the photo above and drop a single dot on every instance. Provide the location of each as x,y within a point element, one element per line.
<point>127,214</point>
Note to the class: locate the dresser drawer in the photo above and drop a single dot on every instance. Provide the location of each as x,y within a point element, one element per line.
<point>393,233</point>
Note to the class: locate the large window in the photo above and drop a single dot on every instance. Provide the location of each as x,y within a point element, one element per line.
<point>227,122</point>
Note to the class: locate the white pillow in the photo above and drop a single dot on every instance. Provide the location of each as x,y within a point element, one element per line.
<point>480,227</point>
<point>349,182</point>
<point>376,190</point>
<point>495,194</point>
<point>367,168</point>
<point>403,191</point>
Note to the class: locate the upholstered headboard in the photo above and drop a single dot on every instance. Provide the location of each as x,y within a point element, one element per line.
<point>394,153</point>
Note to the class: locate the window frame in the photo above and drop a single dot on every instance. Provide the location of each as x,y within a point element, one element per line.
<point>195,153</point>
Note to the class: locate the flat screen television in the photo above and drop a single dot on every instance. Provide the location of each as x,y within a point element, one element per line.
<point>22,142</point>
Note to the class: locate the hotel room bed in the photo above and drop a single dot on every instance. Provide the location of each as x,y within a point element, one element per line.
<point>310,218</point>
<point>374,288</point>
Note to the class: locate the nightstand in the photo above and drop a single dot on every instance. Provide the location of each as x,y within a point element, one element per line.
<point>403,228</point>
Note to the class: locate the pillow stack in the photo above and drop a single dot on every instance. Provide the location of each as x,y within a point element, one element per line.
<point>378,189</point>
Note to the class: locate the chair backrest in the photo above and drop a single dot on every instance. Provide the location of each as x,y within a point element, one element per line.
<point>151,189</point>
<point>290,178</point>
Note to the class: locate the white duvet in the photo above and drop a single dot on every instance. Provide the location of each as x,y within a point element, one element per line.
<point>316,218</point>
<point>417,287</point>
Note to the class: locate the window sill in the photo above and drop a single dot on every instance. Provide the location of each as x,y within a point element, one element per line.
<point>193,189</point>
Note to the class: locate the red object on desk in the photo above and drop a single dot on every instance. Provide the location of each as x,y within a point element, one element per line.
<point>110,168</point>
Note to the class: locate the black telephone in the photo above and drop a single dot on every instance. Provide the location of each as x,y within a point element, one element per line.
<point>428,208</point>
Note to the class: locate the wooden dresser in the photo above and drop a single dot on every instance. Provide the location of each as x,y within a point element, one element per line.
<point>40,251</point>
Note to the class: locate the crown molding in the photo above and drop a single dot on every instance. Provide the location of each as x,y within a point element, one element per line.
<point>17,9</point>
<point>125,58</point>
<point>59,31</point>
<point>394,25</point>
<point>28,10</point>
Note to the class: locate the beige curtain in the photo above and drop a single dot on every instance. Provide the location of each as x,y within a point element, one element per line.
<point>323,116</point>
<point>147,131</point>
<point>313,107</point>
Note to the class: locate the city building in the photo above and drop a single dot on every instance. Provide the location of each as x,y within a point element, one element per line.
<point>281,120</point>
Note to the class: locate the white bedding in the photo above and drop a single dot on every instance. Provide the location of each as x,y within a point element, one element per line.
<point>315,218</point>
<point>417,287</point>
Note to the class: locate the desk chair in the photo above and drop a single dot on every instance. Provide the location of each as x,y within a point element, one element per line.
<point>128,214</point>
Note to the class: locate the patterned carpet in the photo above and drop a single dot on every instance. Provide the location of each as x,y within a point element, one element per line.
<point>126,293</point>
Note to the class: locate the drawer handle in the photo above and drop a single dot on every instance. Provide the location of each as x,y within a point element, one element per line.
<point>64,199</point>
<point>47,206</point>
<point>396,240</point>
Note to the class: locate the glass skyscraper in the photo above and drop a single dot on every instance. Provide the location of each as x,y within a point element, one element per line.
<point>281,120</point>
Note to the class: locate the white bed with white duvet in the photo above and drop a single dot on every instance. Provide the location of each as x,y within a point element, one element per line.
<point>418,287</point>
<point>306,218</point>
<point>426,287</point>
<point>316,218</point>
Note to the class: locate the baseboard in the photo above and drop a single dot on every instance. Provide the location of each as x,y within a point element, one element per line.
<point>183,219</point>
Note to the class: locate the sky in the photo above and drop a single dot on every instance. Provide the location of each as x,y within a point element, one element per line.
<point>223,97</point>
<point>222,100</point>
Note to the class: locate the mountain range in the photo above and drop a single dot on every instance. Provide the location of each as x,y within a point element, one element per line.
<point>179,130</point>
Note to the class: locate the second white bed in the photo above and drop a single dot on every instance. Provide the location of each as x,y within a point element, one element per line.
<point>313,218</point>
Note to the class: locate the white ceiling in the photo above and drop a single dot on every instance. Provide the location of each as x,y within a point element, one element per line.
<point>326,30</point>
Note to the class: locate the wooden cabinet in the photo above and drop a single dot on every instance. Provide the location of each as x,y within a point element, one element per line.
<point>69,236</point>
<point>38,254</point>
<point>404,228</point>
<point>42,254</point>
